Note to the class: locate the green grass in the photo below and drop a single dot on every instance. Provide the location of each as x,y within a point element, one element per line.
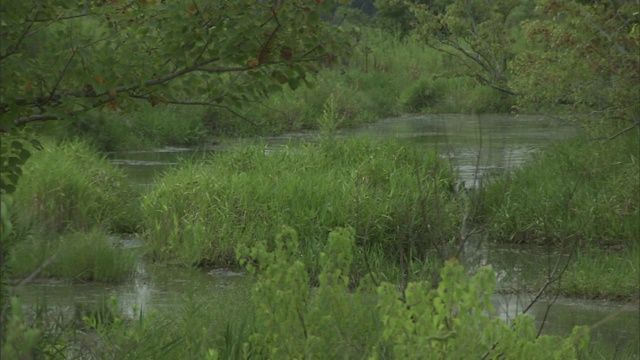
<point>201,212</point>
<point>604,275</point>
<point>77,256</point>
<point>584,190</point>
<point>141,128</point>
<point>383,77</point>
<point>70,186</point>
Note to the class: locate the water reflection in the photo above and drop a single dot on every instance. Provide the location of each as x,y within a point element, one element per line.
<point>161,289</point>
<point>479,146</point>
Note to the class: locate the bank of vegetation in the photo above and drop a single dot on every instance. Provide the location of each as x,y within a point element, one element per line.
<point>355,246</point>
<point>385,76</point>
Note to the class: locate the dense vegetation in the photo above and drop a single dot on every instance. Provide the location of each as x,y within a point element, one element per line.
<point>373,268</point>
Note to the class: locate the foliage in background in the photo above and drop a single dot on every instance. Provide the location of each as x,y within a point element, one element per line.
<point>180,52</point>
<point>375,82</point>
<point>147,127</point>
<point>581,62</point>
<point>474,35</point>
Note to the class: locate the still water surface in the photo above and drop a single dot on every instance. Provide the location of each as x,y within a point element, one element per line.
<point>479,146</point>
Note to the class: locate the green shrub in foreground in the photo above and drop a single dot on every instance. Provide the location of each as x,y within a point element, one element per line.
<point>71,186</point>
<point>384,189</point>
<point>283,316</point>
<point>418,322</point>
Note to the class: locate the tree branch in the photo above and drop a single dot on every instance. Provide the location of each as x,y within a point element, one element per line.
<point>32,118</point>
<point>24,34</point>
<point>628,128</point>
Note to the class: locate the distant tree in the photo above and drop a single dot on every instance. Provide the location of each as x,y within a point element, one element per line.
<point>394,16</point>
<point>582,59</point>
<point>474,33</point>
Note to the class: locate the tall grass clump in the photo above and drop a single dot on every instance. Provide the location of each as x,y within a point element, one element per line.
<point>70,186</point>
<point>74,256</point>
<point>580,189</point>
<point>604,274</point>
<point>397,198</point>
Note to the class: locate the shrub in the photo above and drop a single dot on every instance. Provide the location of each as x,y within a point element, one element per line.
<point>450,321</point>
<point>422,95</point>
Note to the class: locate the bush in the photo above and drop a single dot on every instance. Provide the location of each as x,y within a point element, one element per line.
<point>449,321</point>
<point>422,95</point>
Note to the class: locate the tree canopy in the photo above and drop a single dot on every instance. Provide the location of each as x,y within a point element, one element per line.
<point>583,60</point>
<point>574,59</point>
<point>60,58</point>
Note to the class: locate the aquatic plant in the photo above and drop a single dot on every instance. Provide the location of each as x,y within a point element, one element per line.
<point>398,200</point>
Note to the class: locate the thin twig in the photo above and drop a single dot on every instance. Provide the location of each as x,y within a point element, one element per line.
<point>28,279</point>
<point>628,128</point>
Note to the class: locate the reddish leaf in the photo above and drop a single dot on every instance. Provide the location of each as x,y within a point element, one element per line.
<point>286,54</point>
<point>253,63</point>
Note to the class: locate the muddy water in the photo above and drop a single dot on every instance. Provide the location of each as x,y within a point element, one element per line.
<point>157,288</point>
<point>478,146</point>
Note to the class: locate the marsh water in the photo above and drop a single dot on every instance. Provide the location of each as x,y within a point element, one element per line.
<point>478,147</point>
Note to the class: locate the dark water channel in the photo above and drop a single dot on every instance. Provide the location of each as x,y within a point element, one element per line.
<point>478,146</point>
